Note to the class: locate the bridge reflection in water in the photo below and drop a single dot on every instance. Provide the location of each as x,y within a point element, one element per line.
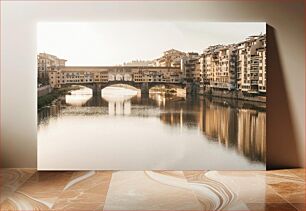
<point>237,127</point>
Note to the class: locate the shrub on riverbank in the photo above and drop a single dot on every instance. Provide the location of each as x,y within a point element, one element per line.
<point>48,98</point>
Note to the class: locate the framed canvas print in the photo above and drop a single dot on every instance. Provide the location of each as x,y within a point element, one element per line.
<point>140,95</point>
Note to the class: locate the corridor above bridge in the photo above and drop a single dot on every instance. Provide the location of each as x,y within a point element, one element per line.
<point>105,74</point>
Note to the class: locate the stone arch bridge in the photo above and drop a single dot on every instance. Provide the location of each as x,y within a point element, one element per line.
<point>143,78</point>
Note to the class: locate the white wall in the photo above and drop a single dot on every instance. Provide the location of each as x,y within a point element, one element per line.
<point>18,59</point>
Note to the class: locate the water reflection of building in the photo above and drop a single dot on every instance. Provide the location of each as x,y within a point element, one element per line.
<point>159,98</point>
<point>252,133</point>
<point>219,123</point>
<point>241,128</point>
<point>173,118</point>
<point>234,127</point>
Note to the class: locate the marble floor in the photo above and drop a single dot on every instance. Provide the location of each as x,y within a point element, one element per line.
<point>28,189</point>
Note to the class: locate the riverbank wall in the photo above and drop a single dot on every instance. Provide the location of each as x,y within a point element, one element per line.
<point>234,95</point>
<point>44,90</point>
<point>236,103</point>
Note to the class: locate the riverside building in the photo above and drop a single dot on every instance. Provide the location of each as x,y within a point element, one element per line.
<point>239,66</point>
<point>219,67</point>
<point>251,66</point>
<point>170,58</point>
<point>47,63</point>
<point>190,67</point>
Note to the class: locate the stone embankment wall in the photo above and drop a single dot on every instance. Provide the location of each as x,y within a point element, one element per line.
<point>234,95</point>
<point>41,91</point>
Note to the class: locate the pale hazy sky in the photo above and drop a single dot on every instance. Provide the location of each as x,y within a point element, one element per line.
<point>113,43</point>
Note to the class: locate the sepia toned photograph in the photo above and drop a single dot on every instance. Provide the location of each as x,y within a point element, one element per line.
<point>152,105</point>
<point>151,95</point>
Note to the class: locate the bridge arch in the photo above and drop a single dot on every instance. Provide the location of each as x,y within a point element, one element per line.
<point>123,85</point>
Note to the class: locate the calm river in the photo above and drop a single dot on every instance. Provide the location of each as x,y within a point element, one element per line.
<point>122,130</point>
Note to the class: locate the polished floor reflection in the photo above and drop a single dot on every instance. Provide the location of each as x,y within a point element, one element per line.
<point>28,189</point>
<point>159,131</point>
